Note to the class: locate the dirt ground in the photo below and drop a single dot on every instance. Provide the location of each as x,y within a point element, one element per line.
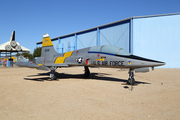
<point>30,94</point>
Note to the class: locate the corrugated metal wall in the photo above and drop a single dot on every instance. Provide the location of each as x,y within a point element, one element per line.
<point>86,39</point>
<point>158,38</point>
<point>56,45</point>
<point>116,35</point>
<point>67,43</point>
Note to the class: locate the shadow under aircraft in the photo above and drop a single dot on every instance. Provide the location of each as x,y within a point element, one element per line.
<point>93,76</point>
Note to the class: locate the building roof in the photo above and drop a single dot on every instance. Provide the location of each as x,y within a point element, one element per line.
<point>109,24</point>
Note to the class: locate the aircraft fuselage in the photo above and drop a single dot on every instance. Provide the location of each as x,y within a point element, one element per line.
<point>84,57</point>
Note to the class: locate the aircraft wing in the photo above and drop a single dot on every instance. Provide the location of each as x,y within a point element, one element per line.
<point>39,66</point>
<point>58,65</point>
<point>43,68</point>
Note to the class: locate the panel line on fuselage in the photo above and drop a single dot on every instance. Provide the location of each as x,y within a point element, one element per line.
<point>102,53</point>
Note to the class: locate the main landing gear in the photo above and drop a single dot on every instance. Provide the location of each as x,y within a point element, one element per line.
<point>131,79</point>
<point>53,75</point>
<point>87,72</point>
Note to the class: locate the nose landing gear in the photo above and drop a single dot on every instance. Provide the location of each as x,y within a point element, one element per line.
<point>131,79</point>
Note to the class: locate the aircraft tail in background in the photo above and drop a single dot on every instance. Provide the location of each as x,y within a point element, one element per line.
<point>12,38</point>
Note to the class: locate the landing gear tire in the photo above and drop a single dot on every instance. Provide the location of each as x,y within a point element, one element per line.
<point>131,81</point>
<point>87,72</point>
<point>53,75</point>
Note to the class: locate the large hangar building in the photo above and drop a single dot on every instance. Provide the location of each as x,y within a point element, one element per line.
<point>155,37</point>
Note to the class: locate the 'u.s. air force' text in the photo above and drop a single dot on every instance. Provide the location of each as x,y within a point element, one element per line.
<point>110,63</point>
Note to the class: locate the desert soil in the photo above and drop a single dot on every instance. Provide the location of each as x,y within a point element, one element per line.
<point>30,94</point>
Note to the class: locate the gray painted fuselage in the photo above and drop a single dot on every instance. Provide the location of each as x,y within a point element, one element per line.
<point>85,57</point>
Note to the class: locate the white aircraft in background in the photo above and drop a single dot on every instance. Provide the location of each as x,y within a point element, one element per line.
<point>12,45</point>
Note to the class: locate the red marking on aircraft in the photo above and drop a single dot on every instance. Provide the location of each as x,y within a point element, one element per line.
<point>98,55</point>
<point>86,61</point>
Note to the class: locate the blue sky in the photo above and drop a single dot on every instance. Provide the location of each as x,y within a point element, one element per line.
<point>32,18</point>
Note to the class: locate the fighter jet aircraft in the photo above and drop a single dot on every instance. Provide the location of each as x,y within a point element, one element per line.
<point>97,56</point>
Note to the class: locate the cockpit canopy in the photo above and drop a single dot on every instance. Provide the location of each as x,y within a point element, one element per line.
<point>109,49</point>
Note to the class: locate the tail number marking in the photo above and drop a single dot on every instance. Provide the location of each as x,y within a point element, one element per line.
<point>46,50</point>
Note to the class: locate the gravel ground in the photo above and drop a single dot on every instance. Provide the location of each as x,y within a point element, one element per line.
<point>30,94</point>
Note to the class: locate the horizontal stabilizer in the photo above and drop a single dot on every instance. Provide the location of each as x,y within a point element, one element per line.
<point>27,64</point>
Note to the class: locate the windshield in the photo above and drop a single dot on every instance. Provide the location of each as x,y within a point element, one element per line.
<point>109,49</point>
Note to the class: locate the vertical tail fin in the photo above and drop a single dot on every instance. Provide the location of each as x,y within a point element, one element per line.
<point>12,36</point>
<point>47,47</point>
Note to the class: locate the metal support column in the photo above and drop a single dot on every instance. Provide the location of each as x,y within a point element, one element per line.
<point>98,37</point>
<point>59,40</point>
<point>75,42</point>
<point>59,44</point>
<point>131,36</point>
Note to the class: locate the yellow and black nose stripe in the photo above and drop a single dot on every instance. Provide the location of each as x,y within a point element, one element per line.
<point>61,59</point>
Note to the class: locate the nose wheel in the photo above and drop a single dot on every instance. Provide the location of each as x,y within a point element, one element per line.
<point>131,79</point>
